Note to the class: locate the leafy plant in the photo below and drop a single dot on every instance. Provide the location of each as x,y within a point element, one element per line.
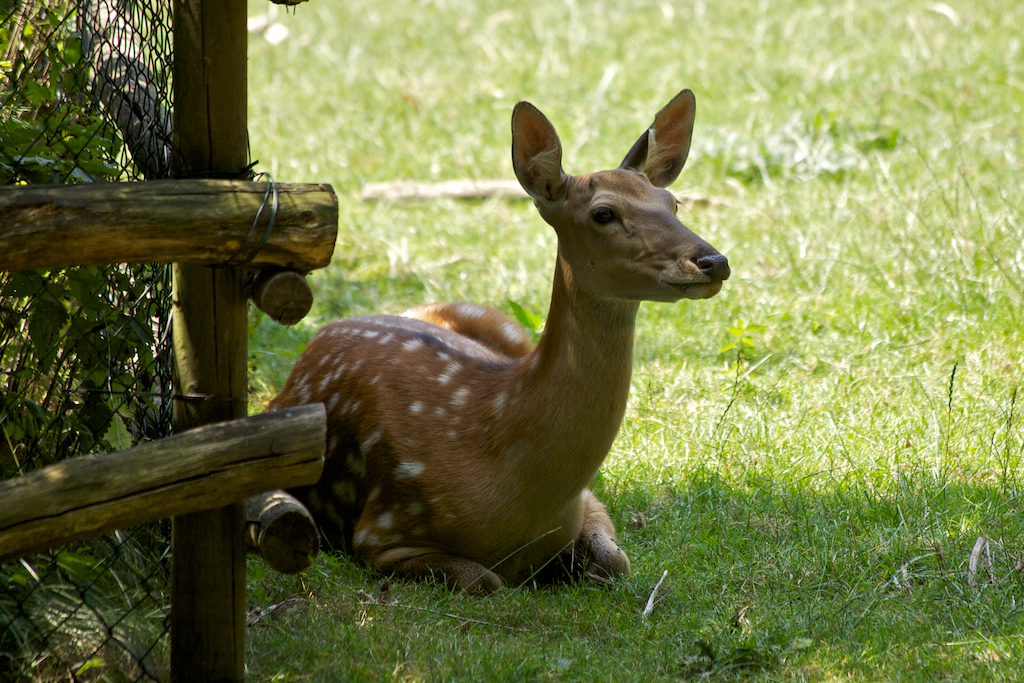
<point>50,133</point>
<point>742,343</point>
<point>74,343</point>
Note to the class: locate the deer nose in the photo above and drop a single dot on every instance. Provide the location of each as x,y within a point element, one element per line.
<point>715,267</point>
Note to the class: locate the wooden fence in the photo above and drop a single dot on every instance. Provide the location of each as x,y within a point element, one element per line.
<point>228,242</point>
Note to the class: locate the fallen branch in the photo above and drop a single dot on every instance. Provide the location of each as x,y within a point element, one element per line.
<point>413,190</point>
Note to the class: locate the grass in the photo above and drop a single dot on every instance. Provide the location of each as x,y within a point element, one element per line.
<point>816,490</point>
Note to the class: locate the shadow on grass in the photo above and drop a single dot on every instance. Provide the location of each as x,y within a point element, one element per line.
<point>768,580</point>
<point>926,580</point>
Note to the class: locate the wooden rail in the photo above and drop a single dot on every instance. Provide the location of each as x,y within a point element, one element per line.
<point>208,222</point>
<point>202,468</point>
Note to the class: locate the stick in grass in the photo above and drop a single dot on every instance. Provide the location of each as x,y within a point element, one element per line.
<point>972,564</point>
<point>650,601</point>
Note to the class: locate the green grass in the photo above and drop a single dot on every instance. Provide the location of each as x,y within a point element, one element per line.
<point>816,491</point>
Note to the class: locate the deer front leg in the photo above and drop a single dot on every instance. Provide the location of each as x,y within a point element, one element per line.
<point>597,543</point>
<point>457,572</point>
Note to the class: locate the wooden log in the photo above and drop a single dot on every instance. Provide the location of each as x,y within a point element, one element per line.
<point>200,469</point>
<point>207,619</point>
<point>208,222</point>
<point>284,295</point>
<point>281,530</point>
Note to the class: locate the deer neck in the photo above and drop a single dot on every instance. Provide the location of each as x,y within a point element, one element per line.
<point>575,384</point>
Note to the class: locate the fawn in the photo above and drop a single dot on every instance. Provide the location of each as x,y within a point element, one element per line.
<point>457,450</point>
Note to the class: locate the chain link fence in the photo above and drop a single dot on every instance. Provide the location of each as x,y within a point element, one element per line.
<point>85,353</point>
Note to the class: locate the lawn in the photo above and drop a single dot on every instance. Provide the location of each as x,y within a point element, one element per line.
<point>828,457</point>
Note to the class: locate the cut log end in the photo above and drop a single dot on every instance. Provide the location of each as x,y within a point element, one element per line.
<point>280,529</point>
<point>284,295</point>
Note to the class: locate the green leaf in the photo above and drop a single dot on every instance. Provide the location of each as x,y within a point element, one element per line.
<point>37,94</point>
<point>526,317</point>
<point>117,435</point>
<point>48,317</point>
<point>18,135</point>
<point>93,663</point>
<point>21,285</point>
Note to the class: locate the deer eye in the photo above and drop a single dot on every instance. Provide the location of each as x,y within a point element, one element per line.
<point>602,215</point>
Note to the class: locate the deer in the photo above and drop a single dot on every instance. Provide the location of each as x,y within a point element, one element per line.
<point>457,449</point>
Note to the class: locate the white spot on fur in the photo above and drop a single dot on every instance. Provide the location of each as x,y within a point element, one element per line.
<point>356,463</point>
<point>440,411</point>
<point>370,539</point>
<point>460,396</point>
<point>470,310</point>
<point>408,470</point>
<point>414,508</point>
<point>416,407</point>
<point>385,520</point>
<point>332,402</point>
<point>499,401</point>
<point>453,435</point>
<point>513,333</point>
<point>334,377</point>
<point>376,378</point>
<point>412,344</point>
<point>449,372</point>
<point>370,441</point>
<point>344,490</point>
<point>387,337</point>
<point>355,406</point>
<point>374,494</point>
<point>371,334</point>
<point>332,444</point>
<point>443,356</point>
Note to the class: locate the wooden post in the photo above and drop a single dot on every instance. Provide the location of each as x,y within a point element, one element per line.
<point>208,548</point>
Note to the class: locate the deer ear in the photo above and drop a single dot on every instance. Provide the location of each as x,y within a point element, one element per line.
<point>662,150</point>
<point>536,153</point>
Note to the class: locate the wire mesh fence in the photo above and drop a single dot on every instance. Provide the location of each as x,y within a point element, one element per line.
<point>85,359</point>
